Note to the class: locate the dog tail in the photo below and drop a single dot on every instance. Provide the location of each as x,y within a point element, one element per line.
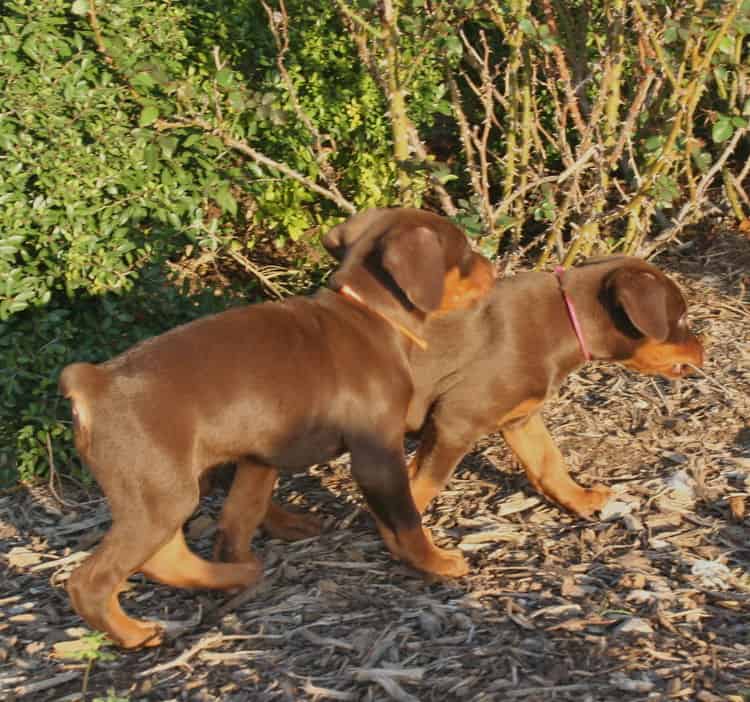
<point>79,383</point>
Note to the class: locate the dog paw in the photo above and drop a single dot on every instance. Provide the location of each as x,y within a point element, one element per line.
<point>139,634</point>
<point>293,526</point>
<point>591,500</point>
<point>448,564</point>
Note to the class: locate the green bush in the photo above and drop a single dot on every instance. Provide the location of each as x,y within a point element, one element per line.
<point>37,343</point>
<point>138,135</point>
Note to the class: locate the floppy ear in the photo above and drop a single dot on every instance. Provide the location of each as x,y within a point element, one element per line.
<point>644,298</point>
<point>343,236</point>
<point>415,260</point>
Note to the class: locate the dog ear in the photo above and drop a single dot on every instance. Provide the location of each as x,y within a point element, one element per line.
<point>643,296</point>
<point>343,236</point>
<point>415,260</point>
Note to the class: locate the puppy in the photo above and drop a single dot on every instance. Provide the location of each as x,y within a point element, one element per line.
<point>269,386</point>
<point>494,366</point>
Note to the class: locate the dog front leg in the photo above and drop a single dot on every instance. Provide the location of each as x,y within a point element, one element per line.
<point>382,477</point>
<point>440,449</point>
<point>546,469</point>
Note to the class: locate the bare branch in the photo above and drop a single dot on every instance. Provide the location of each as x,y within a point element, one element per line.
<point>245,148</point>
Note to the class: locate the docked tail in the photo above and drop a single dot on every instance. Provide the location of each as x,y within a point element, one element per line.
<point>79,382</point>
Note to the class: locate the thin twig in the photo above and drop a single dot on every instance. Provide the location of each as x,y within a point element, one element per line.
<point>682,218</point>
<point>264,275</point>
<point>54,476</point>
<point>42,685</point>
<point>245,148</point>
<point>182,661</point>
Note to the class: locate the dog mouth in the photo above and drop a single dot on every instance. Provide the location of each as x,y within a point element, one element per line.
<point>672,371</point>
<point>679,370</point>
<point>670,360</point>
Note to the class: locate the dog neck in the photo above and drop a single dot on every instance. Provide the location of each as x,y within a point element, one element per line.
<point>350,293</point>
<point>584,285</point>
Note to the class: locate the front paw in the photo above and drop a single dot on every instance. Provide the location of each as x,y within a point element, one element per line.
<point>591,500</point>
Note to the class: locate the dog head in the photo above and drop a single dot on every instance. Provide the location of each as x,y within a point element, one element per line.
<point>418,255</point>
<point>650,311</point>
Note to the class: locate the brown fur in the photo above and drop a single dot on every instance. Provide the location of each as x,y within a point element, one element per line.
<point>270,386</point>
<point>494,366</point>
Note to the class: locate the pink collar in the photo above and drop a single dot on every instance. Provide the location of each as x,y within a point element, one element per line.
<point>559,270</point>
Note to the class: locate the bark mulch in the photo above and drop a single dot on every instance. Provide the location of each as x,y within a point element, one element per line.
<point>649,602</point>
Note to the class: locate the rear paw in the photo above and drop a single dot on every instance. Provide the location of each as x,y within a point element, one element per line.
<point>448,564</point>
<point>225,551</point>
<point>140,635</point>
<point>293,526</point>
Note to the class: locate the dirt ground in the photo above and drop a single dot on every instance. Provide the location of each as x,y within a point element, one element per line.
<point>650,602</point>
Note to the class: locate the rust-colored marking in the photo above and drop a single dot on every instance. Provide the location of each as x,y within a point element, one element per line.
<point>129,632</point>
<point>415,547</point>
<point>520,411</point>
<point>175,564</point>
<point>546,469</point>
<point>460,293</point>
<point>667,359</point>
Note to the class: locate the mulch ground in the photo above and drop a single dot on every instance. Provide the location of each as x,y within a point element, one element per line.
<point>649,602</point>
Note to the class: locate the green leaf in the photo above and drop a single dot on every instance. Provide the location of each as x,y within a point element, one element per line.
<point>149,115</point>
<point>143,80</point>
<point>527,27</point>
<point>224,77</point>
<point>444,176</point>
<point>654,143</point>
<point>168,145</point>
<point>236,100</point>
<point>722,130</point>
<point>702,160</point>
<point>226,201</point>
<point>726,45</point>
<point>255,169</point>
<point>454,47</point>
<point>671,32</point>
<point>504,222</point>
<point>192,139</point>
<point>80,7</point>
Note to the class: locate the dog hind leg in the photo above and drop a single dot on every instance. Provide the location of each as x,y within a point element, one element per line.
<point>244,509</point>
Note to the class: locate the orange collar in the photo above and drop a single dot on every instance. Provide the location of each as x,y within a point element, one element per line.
<point>352,294</point>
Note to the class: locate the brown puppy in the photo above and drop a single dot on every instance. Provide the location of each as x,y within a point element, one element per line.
<point>516,350</point>
<point>281,384</point>
<point>494,366</point>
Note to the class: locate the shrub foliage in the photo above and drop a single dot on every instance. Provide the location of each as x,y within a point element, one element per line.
<point>135,133</point>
